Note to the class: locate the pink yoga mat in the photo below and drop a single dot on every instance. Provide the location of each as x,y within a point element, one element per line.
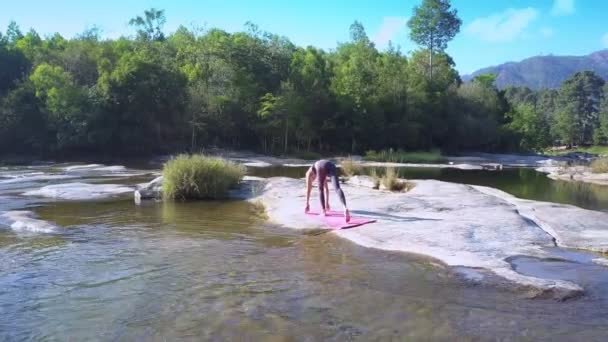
<point>335,220</point>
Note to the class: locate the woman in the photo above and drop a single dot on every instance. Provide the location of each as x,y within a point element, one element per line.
<point>321,170</point>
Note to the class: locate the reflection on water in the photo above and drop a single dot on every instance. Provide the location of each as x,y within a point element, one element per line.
<point>212,271</point>
<point>520,182</point>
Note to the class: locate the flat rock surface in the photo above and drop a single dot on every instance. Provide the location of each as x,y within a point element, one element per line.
<point>460,225</point>
<point>570,226</point>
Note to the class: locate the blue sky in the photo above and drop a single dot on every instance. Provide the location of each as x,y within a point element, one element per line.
<point>493,31</point>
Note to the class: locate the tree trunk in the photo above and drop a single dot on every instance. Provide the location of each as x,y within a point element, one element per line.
<point>286,132</point>
<point>431,58</point>
<point>193,142</point>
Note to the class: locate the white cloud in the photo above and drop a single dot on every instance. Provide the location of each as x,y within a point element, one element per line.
<point>605,40</point>
<point>562,7</point>
<point>390,27</point>
<point>502,27</point>
<point>547,32</point>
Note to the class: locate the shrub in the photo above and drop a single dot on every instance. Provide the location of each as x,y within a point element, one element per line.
<point>350,167</point>
<point>599,165</point>
<point>391,181</point>
<point>200,177</point>
<point>400,156</point>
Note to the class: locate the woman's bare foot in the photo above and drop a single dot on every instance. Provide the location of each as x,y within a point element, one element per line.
<point>346,215</point>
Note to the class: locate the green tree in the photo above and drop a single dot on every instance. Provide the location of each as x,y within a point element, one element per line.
<point>581,95</point>
<point>13,33</point>
<point>150,26</point>
<point>433,25</point>
<point>13,66</point>
<point>600,136</point>
<point>144,104</point>
<point>22,124</point>
<point>65,102</point>
<point>354,85</point>
<point>284,108</point>
<point>530,126</point>
<point>310,74</point>
<point>566,126</point>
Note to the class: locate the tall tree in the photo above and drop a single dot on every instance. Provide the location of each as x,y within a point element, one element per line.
<point>600,136</point>
<point>433,25</point>
<point>150,26</point>
<point>354,85</point>
<point>580,95</point>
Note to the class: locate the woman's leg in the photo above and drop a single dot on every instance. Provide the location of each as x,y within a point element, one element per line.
<point>336,182</point>
<point>321,177</point>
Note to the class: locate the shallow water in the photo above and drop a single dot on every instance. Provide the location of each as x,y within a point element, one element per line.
<point>520,182</point>
<point>215,271</point>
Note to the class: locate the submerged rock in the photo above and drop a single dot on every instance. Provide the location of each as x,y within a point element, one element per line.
<point>461,225</point>
<point>149,191</point>
<point>80,191</point>
<point>22,220</point>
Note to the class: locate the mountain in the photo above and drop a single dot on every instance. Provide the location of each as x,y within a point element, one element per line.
<point>545,71</point>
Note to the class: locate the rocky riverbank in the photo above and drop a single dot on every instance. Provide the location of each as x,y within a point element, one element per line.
<point>473,229</point>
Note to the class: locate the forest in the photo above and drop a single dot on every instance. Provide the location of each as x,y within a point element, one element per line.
<point>157,92</point>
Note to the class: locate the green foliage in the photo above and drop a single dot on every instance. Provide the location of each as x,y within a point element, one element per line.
<point>531,127</point>
<point>600,165</point>
<point>599,150</point>
<point>150,26</point>
<point>580,99</point>
<point>433,25</point>
<point>485,80</point>
<point>399,156</point>
<point>566,127</point>
<point>163,92</point>
<point>13,65</point>
<point>22,124</point>
<point>600,136</point>
<point>199,177</point>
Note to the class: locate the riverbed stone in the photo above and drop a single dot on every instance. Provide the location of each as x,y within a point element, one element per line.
<point>460,225</point>
<point>579,173</point>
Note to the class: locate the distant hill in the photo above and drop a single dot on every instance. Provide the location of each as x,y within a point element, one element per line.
<point>545,71</point>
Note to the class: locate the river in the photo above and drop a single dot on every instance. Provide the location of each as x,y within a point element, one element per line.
<point>112,270</point>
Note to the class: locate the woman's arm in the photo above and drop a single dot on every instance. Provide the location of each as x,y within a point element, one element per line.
<point>327,195</point>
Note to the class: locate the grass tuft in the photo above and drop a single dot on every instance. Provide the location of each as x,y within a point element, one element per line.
<point>600,165</point>
<point>199,177</point>
<point>391,181</point>
<point>400,156</point>
<point>377,179</point>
